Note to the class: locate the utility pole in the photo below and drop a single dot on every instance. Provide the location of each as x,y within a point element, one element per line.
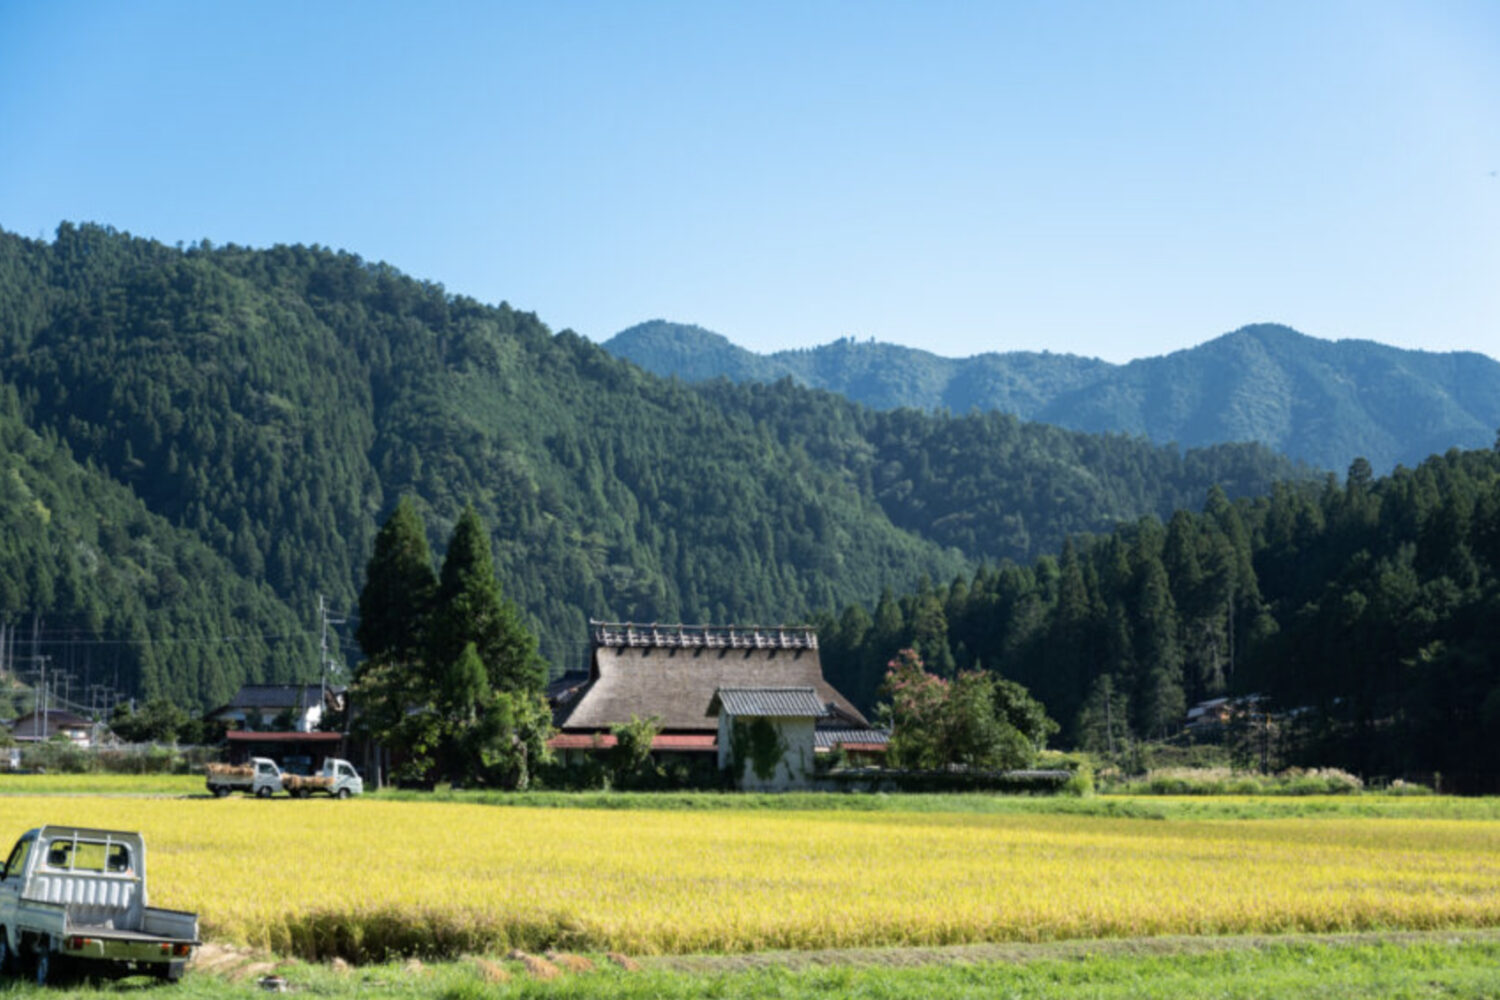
<point>1231,629</point>
<point>326,661</point>
<point>39,702</point>
<point>1109,719</point>
<point>1265,737</point>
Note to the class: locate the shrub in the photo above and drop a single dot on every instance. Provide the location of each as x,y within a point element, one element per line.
<point>1225,781</point>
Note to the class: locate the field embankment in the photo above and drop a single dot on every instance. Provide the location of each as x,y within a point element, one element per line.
<point>1414,966</point>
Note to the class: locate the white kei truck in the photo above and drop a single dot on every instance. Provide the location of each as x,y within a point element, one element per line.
<point>338,779</point>
<point>74,896</point>
<point>261,777</point>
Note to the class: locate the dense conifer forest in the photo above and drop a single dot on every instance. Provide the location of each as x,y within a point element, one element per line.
<point>262,411</point>
<point>1364,614</point>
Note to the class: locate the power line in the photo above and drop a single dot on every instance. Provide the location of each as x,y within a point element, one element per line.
<point>66,639</point>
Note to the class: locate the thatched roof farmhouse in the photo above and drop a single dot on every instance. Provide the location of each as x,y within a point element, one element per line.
<point>693,679</point>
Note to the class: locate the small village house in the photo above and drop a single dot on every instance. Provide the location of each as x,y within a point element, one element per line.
<point>295,708</point>
<point>697,681</point>
<point>39,727</point>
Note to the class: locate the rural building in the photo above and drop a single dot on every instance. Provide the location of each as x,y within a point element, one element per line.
<point>1210,715</point>
<point>783,719</point>
<point>296,753</point>
<point>296,708</point>
<point>697,681</point>
<point>36,727</point>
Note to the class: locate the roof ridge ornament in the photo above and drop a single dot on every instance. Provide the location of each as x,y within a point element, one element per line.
<point>677,636</point>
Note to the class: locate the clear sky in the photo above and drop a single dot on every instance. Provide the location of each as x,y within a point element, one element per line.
<point>1114,179</point>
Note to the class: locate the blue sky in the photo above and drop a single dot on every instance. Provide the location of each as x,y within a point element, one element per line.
<point>1111,179</point>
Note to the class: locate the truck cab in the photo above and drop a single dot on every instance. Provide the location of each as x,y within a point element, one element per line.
<point>346,780</point>
<point>78,895</point>
<point>268,777</point>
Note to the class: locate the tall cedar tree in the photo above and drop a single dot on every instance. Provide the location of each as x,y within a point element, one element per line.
<point>394,609</point>
<point>471,609</point>
<point>399,590</point>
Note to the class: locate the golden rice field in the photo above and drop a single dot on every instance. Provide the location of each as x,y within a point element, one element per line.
<point>367,878</point>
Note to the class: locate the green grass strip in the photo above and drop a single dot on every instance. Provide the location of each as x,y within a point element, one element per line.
<point>1433,966</point>
<point>1367,805</point>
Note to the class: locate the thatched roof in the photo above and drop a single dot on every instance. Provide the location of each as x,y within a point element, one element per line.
<point>676,683</point>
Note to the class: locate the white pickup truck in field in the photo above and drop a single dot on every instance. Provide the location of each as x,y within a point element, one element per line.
<point>338,779</point>
<point>77,896</point>
<point>264,778</point>
<point>261,777</point>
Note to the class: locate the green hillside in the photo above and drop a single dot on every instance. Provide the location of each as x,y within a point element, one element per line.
<point>1321,402</point>
<point>274,404</point>
<point>118,593</point>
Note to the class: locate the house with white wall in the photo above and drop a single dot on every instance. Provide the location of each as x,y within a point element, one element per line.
<point>697,682</point>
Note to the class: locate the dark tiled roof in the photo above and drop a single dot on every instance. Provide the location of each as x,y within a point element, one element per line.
<point>676,684</point>
<point>59,717</point>
<point>563,694</point>
<point>776,702</point>
<point>299,696</point>
<point>247,736</point>
<point>830,738</point>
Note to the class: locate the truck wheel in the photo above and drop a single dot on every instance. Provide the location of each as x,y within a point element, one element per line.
<point>343,793</point>
<point>220,791</point>
<point>263,792</point>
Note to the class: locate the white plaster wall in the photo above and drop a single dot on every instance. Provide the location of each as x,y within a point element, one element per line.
<point>796,767</point>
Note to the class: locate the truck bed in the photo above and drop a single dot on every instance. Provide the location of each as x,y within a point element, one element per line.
<point>111,934</point>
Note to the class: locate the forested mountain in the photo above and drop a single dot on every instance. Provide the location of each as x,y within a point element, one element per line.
<point>1322,402</point>
<point>123,597</point>
<point>989,484</point>
<point>272,405</point>
<point>1367,614</point>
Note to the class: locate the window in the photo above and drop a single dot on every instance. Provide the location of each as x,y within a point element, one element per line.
<point>17,862</point>
<point>88,856</point>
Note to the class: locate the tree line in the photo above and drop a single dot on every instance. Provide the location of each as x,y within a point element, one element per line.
<point>1364,615</point>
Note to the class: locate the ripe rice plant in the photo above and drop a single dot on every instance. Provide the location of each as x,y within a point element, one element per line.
<point>370,879</point>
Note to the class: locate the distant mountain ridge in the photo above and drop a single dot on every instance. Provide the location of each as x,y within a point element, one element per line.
<point>1322,402</point>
